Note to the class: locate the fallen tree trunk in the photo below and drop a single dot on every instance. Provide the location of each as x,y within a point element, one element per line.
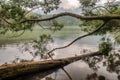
<point>11,71</point>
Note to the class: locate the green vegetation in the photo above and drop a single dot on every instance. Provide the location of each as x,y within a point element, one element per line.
<point>65,20</point>
<point>105,46</point>
<point>12,37</point>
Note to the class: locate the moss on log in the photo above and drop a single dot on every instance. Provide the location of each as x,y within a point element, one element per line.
<point>10,71</point>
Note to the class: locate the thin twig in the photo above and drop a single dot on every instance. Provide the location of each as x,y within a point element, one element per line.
<point>42,26</point>
<point>31,10</point>
<point>67,73</point>
<point>101,7</point>
<point>19,34</point>
<point>62,68</point>
<point>6,21</point>
<point>117,36</point>
<point>78,38</point>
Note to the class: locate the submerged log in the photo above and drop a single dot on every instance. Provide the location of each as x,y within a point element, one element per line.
<point>11,71</point>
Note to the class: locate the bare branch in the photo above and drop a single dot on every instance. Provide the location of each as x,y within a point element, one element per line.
<point>79,38</point>
<point>31,10</point>
<point>67,74</point>
<point>116,34</point>
<point>6,21</point>
<point>104,17</point>
<point>101,7</point>
<point>42,26</point>
<point>117,37</point>
<point>18,34</point>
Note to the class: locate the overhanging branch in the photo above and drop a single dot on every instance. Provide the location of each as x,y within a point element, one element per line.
<point>104,17</point>
<point>102,25</point>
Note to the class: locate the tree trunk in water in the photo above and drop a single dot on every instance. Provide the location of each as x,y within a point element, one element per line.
<point>11,71</point>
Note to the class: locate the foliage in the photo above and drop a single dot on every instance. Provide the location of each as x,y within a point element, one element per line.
<point>109,8</point>
<point>88,26</point>
<point>25,3</point>
<point>111,62</point>
<point>49,5</point>
<point>13,11</point>
<point>113,7</point>
<point>11,15</point>
<point>56,25</point>
<point>41,46</point>
<point>87,5</point>
<point>105,46</point>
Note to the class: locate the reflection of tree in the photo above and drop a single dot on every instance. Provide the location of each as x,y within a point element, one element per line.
<point>110,59</point>
<point>111,62</point>
<point>2,46</point>
<point>41,45</point>
<point>92,61</point>
<point>118,77</point>
<point>49,78</point>
<point>36,48</point>
<point>95,76</point>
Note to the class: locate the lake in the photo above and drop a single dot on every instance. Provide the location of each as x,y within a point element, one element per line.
<point>79,70</point>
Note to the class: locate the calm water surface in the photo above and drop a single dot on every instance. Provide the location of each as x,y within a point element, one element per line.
<point>78,70</point>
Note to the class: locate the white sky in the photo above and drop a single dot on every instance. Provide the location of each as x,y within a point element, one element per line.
<point>70,4</point>
<point>73,4</point>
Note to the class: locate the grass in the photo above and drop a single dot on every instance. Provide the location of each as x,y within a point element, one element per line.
<point>36,32</point>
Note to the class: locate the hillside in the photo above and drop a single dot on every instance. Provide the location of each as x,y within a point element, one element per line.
<point>66,20</point>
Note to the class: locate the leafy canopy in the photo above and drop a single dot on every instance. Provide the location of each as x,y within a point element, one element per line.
<point>14,11</point>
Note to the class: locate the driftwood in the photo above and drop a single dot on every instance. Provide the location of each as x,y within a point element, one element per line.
<point>11,71</point>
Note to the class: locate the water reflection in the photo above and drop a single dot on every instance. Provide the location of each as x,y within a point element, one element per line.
<point>95,68</point>
<point>111,63</point>
<point>38,76</point>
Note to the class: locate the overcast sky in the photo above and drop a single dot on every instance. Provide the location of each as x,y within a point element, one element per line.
<point>72,4</point>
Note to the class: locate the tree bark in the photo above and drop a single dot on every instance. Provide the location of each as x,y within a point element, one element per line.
<point>78,16</point>
<point>10,71</point>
